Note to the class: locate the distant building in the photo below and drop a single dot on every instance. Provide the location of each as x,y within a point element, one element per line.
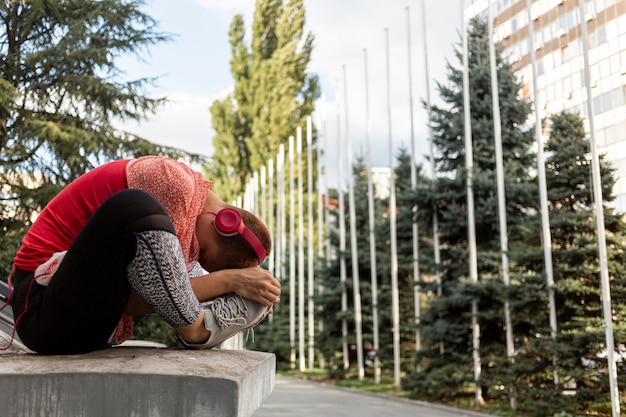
<point>559,56</point>
<point>381,180</point>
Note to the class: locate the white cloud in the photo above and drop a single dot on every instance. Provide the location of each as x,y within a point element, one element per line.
<point>342,30</point>
<point>184,122</point>
<point>227,9</point>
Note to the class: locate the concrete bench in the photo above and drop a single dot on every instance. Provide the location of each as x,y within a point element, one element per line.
<point>135,381</point>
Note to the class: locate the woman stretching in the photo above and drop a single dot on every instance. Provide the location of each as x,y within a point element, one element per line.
<point>123,240</point>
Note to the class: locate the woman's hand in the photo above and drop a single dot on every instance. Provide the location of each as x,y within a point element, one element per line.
<point>254,283</point>
<point>257,284</point>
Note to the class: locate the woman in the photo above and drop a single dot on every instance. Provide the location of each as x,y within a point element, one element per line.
<point>122,240</point>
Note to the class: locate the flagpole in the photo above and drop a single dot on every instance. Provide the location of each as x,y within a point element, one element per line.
<point>416,275</point>
<point>395,307</point>
<point>504,245</point>
<point>356,291</point>
<point>301,350</point>
<point>433,167</point>
<point>310,265</point>
<point>292,257</point>
<point>270,220</point>
<point>471,219</point>
<point>372,229</point>
<point>342,245</point>
<point>280,210</point>
<point>321,219</point>
<point>281,218</point>
<point>543,195</point>
<point>599,209</point>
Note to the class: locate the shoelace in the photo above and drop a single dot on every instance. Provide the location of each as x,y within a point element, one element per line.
<point>229,310</point>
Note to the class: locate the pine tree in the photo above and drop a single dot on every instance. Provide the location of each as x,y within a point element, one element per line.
<point>445,324</point>
<point>580,336</point>
<point>60,89</point>
<point>273,93</point>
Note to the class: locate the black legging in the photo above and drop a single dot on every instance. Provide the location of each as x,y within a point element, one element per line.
<point>80,308</point>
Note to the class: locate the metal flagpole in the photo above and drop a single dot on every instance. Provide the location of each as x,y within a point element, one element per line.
<point>543,194</point>
<point>281,222</point>
<point>504,245</point>
<point>372,229</point>
<point>471,225</point>
<point>310,267</point>
<point>433,168</point>
<point>321,123</point>
<point>292,257</point>
<point>599,209</point>
<point>416,274</point>
<point>356,291</point>
<point>342,245</point>
<point>301,350</point>
<point>280,210</point>
<point>263,204</point>
<point>271,212</point>
<point>267,213</point>
<point>395,308</point>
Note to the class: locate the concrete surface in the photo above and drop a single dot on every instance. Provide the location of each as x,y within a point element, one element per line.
<point>292,397</point>
<point>134,381</point>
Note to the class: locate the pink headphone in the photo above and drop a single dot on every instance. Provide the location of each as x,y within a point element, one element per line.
<point>228,222</point>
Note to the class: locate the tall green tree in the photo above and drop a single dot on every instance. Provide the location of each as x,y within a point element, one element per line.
<point>60,90</point>
<point>445,324</point>
<point>331,338</point>
<point>273,93</point>
<point>580,337</point>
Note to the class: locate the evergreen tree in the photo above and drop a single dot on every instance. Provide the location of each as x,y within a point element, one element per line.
<point>59,91</point>
<point>580,335</point>
<point>445,324</point>
<point>330,340</point>
<point>273,93</point>
<point>404,243</point>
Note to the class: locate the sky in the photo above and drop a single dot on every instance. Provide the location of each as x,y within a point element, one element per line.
<point>193,71</point>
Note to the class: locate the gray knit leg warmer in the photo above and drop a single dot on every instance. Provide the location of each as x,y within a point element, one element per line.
<point>159,276</point>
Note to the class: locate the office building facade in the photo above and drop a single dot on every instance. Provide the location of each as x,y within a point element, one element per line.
<point>560,64</point>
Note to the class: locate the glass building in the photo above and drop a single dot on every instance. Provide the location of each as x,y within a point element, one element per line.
<point>559,57</point>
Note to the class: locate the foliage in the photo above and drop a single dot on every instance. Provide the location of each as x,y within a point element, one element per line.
<point>60,89</point>
<point>445,323</point>
<point>273,94</point>
<point>330,339</point>
<point>574,355</point>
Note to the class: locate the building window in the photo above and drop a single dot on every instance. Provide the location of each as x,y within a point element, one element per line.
<point>606,101</point>
<point>597,105</point>
<point>571,18</point>
<point>618,98</point>
<point>597,37</point>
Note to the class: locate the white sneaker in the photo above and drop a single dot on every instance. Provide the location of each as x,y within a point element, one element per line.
<point>226,316</point>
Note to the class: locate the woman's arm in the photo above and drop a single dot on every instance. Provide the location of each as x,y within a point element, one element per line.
<point>254,283</point>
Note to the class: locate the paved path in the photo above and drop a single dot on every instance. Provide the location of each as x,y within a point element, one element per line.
<point>292,397</point>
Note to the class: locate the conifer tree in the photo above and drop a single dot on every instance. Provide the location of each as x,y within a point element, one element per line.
<point>580,331</point>
<point>60,90</point>
<point>445,324</point>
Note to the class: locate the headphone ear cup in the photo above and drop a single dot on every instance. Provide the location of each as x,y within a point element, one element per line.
<point>228,221</point>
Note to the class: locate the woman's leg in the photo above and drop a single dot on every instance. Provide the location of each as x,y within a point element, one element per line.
<point>87,295</point>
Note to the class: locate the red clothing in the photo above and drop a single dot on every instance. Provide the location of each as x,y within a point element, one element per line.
<point>60,221</point>
<point>179,189</point>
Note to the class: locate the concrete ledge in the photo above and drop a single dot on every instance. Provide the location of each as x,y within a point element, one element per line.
<point>132,381</point>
